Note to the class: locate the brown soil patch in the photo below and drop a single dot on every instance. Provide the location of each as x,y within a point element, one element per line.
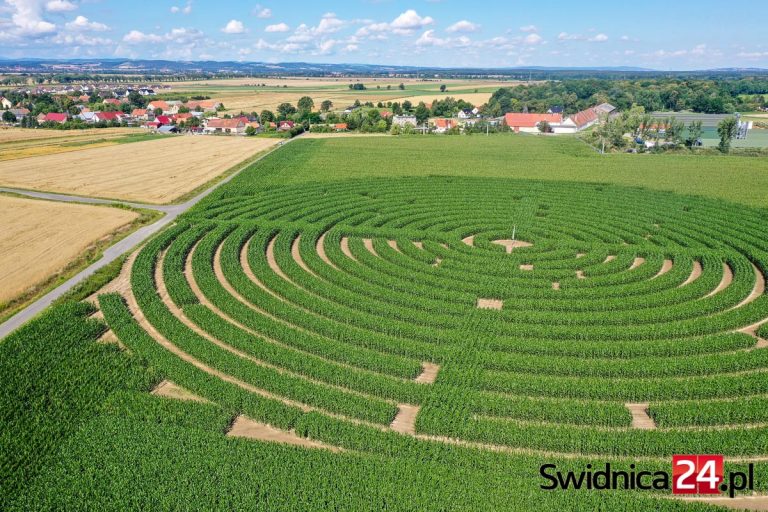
<point>296,255</point>
<point>469,240</point>
<point>428,373</point>
<point>98,315</point>
<point>609,258</point>
<point>580,255</point>
<point>405,420</point>
<point>38,239</point>
<point>272,262</point>
<point>320,248</point>
<point>393,245</point>
<point>444,245</point>
<point>556,285</point>
<point>490,304</point>
<point>368,243</point>
<point>724,282</point>
<point>695,273</point>
<point>737,503</point>
<point>345,249</point>
<point>640,418</point>
<point>437,262</point>
<point>250,429</point>
<point>580,274</point>
<point>109,338</point>
<point>526,267</point>
<point>168,389</point>
<point>419,245</point>
<point>665,267</point>
<point>509,245</point>
<point>636,263</point>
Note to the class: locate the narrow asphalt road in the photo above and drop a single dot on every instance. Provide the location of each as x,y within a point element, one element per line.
<point>113,252</point>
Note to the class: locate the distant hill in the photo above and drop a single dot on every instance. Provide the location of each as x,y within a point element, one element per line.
<point>147,67</point>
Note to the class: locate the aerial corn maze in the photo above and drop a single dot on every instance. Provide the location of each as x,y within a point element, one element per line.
<point>479,322</point>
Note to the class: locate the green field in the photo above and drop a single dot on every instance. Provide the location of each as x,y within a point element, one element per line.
<point>334,286</point>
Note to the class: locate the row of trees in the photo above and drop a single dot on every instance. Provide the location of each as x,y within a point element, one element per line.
<point>708,96</point>
<point>635,127</point>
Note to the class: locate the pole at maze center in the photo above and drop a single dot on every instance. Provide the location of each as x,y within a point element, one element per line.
<point>514,230</point>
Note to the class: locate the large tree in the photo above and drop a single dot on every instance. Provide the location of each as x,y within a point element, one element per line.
<point>422,113</point>
<point>727,131</point>
<point>326,105</point>
<point>305,104</point>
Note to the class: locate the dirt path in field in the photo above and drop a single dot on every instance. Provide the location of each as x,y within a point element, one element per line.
<point>469,240</point>
<point>757,290</point>
<point>510,245</point>
<point>393,245</point>
<point>640,418</point>
<point>428,373</point>
<point>296,255</point>
<point>272,262</point>
<point>345,248</point>
<point>368,243</point>
<point>405,420</point>
<point>556,285</point>
<point>725,282</point>
<point>665,267</point>
<point>419,245</point>
<point>245,264</point>
<point>168,389</point>
<point>580,274</point>
<point>759,503</point>
<point>320,248</point>
<point>609,258</point>
<point>695,273</point>
<point>250,429</point>
<point>636,263</point>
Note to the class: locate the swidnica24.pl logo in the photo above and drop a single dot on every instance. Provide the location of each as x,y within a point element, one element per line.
<point>691,474</point>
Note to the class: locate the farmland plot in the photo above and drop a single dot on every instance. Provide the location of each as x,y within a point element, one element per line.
<point>39,238</point>
<point>157,171</point>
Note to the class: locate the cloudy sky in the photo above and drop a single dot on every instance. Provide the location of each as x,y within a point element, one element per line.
<point>654,33</point>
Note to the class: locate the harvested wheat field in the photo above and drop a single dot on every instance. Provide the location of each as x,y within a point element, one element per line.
<point>30,134</point>
<point>156,171</point>
<point>39,238</point>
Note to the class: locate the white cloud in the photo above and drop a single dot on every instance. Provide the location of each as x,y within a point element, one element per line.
<point>410,21</point>
<point>753,55</point>
<point>81,23</point>
<point>278,27</point>
<point>233,27</point>
<point>428,39</point>
<point>60,6</point>
<point>533,39</point>
<point>529,28</point>
<point>184,10</point>
<point>176,35</point>
<point>565,36</point>
<point>79,39</point>
<point>27,19</point>
<point>262,12</point>
<point>463,26</point>
<point>599,38</point>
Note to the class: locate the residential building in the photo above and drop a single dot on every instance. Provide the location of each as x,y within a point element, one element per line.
<point>529,123</point>
<point>5,103</point>
<point>53,117</point>
<point>401,121</point>
<point>231,126</point>
<point>443,125</point>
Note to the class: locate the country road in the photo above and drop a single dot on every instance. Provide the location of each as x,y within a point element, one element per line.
<point>113,252</point>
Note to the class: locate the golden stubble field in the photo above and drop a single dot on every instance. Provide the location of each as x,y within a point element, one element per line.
<point>245,95</point>
<point>157,171</point>
<point>40,238</point>
<point>23,142</point>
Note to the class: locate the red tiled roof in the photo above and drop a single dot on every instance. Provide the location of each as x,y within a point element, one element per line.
<point>584,117</point>
<point>445,123</point>
<point>514,119</point>
<point>340,126</point>
<point>225,123</point>
<point>112,101</point>
<point>108,116</point>
<point>139,112</point>
<point>158,104</point>
<point>163,119</point>
<point>56,117</point>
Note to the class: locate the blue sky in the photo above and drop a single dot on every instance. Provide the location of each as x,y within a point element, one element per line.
<point>651,33</point>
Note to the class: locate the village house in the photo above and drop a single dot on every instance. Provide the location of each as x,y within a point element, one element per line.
<point>340,127</point>
<point>53,117</point>
<point>529,123</point>
<point>466,114</point>
<point>108,116</point>
<point>140,114</point>
<point>203,105</point>
<point>285,126</point>
<point>401,121</point>
<point>577,122</point>
<point>86,116</point>
<point>159,104</point>
<point>20,113</point>
<point>112,101</point>
<point>5,103</point>
<point>606,109</point>
<point>443,125</point>
<point>231,126</point>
